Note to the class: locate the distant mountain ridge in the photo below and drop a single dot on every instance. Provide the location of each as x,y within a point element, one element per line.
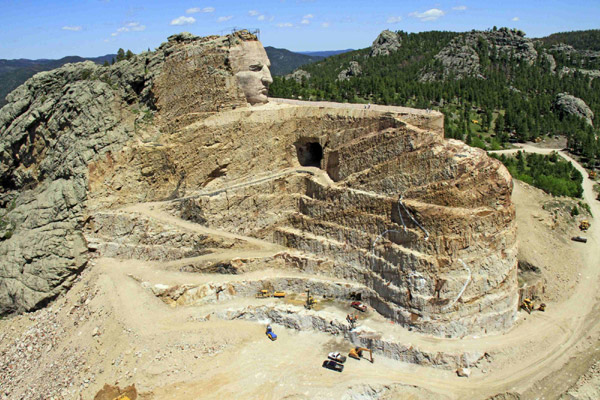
<point>284,61</point>
<point>14,72</point>
<point>325,53</point>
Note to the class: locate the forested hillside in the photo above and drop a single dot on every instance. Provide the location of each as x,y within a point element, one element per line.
<point>581,40</point>
<point>284,61</point>
<point>493,86</point>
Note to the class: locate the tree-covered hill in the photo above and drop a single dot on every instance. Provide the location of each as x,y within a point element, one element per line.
<point>284,61</point>
<point>581,40</point>
<point>493,86</point>
<point>15,72</point>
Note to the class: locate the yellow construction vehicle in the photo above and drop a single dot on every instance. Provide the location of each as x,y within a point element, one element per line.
<point>263,294</point>
<point>310,301</point>
<point>584,225</point>
<point>279,294</point>
<point>528,305</point>
<point>356,353</point>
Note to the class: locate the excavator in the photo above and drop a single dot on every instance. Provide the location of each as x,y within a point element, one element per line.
<point>357,352</point>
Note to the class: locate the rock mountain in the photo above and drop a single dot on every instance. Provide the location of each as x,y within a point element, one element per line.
<point>423,227</point>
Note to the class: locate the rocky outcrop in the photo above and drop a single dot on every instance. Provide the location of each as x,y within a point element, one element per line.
<point>298,75</point>
<point>352,71</point>
<point>572,105</point>
<point>461,58</point>
<point>387,42</point>
<point>60,121</point>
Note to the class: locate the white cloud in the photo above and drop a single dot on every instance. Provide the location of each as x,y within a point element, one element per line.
<point>394,20</point>
<point>136,27</point>
<point>132,27</point>
<point>515,19</point>
<point>223,19</point>
<point>71,28</point>
<point>253,13</point>
<point>459,8</point>
<point>284,25</point>
<point>261,18</point>
<point>183,21</point>
<point>196,10</point>
<point>308,16</point>
<point>325,24</point>
<point>305,22</point>
<point>429,15</point>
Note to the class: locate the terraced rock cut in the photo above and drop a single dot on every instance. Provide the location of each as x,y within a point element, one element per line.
<point>374,196</point>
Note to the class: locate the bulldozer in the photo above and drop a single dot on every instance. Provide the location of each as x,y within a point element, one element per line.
<point>357,352</point>
<point>529,306</point>
<point>263,294</point>
<point>584,225</point>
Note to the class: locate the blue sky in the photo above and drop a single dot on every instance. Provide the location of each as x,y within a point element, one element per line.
<point>57,28</point>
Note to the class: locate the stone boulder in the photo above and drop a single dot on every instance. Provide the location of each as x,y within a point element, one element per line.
<point>387,42</point>
<point>572,105</point>
<point>352,71</point>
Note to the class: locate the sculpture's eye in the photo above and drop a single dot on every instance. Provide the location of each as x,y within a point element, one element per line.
<point>256,67</point>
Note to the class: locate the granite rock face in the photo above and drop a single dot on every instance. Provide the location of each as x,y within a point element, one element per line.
<point>60,121</point>
<point>352,71</point>
<point>461,58</point>
<point>423,226</point>
<point>572,105</point>
<point>387,42</point>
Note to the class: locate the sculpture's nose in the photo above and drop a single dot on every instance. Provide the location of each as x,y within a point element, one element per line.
<point>266,78</point>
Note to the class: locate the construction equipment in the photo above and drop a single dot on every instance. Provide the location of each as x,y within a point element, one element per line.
<point>584,225</point>
<point>337,357</point>
<point>263,294</point>
<point>579,239</point>
<point>359,306</point>
<point>270,334</point>
<point>279,295</point>
<point>310,301</point>
<point>356,353</point>
<point>528,305</point>
<point>352,319</point>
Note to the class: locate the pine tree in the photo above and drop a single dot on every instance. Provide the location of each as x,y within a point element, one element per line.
<point>120,55</point>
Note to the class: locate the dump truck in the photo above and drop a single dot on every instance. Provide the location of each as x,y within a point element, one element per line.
<point>279,294</point>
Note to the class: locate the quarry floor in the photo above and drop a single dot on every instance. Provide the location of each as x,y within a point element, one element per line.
<point>113,330</point>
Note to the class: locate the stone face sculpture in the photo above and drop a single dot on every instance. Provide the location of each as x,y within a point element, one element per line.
<point>250,65</point>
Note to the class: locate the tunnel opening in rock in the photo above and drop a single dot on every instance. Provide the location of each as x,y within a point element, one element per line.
<point>309,154</point>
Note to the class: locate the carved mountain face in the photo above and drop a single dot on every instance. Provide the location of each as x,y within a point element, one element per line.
<point>251,68</point>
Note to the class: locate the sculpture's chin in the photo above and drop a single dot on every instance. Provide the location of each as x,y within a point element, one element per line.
<point>258,99</point>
